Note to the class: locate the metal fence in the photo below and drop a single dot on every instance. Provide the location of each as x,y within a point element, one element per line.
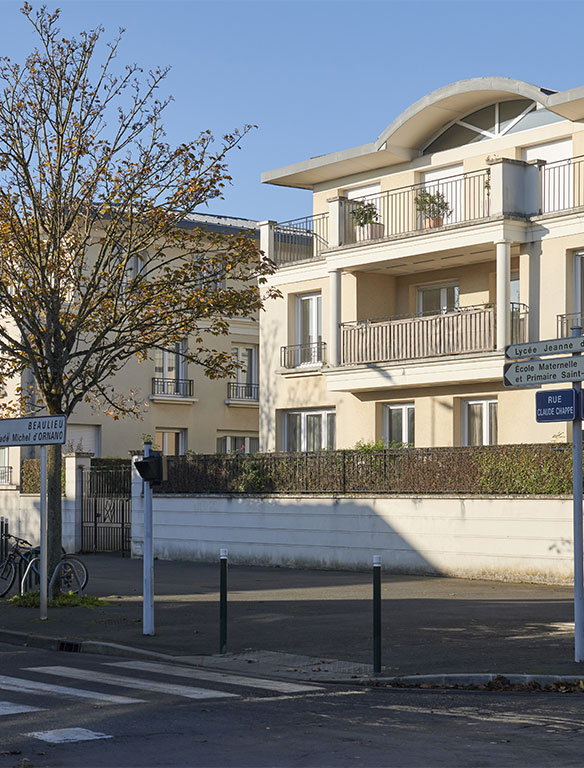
<point>236,391</point>
<point>181,387</point>
<point>521,469</point>
<point>297,355</point>
<point>300,239</point>
<point>562,185</point>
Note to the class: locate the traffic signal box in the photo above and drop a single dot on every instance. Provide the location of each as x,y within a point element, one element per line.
<point>152,468</point>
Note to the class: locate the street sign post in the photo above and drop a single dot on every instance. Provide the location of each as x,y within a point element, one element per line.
<point>41,431</point>
<point>568,345</point>
<point>533,373</point>
<point>556,405</point>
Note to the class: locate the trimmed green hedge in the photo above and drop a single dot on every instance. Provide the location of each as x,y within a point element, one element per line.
<point>30,476</point>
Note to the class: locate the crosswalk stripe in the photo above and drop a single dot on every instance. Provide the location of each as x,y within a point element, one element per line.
<point>218,677</point>
<point>32,686</point>
<point>133,682</point>
<point>8,708</point>
<point>63,735</point>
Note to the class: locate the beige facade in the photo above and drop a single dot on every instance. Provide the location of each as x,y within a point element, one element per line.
<point>456,232</point>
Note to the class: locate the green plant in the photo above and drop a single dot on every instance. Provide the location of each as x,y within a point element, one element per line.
<point>71,599</point>
<point>365,213</point>
<point>253,479</point>
<point>432,205</point>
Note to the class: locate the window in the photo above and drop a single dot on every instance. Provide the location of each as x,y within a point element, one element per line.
<point>308,329</point>
<point>172,442</point>
<point>237,444</point>
<point>480,422</point>
<point>437,299</point>
<point>309,431</point>
<point>398,424</point>
<point>170,371</point>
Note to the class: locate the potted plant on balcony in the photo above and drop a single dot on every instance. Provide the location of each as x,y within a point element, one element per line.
<point>367,224</point>
<point>433,208</point>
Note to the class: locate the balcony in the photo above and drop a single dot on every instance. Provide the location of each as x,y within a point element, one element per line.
<point>303,355</point>
<point>172,387</point>
<point>561,185</point>
<point>245,392</point>
<point>5,475</point>
<point>462,331</point>
<point>300,239</point>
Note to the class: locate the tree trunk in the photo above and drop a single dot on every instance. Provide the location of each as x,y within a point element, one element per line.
<point>55,523</point>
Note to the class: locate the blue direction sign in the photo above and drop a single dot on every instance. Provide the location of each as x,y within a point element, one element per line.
<point>555,405</point>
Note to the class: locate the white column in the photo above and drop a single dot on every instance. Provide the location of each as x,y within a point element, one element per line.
<point>267,238</point>
<point>577,288</point>
<point>336,228</point>
<point>503,316</point>
<point>334,317</point>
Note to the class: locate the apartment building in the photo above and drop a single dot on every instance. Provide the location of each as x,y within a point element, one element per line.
<point>457,231</point>
<point>182,409</point>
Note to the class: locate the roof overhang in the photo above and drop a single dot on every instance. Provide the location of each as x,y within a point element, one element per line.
<point>403,139</point>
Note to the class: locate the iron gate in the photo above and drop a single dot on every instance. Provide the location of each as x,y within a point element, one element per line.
<point>107,507</point>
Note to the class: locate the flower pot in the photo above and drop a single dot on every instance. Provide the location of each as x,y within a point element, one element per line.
<point>372,231</point>
<point>430,222</point>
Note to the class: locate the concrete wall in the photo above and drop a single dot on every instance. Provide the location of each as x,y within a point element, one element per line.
<point>499,538</point>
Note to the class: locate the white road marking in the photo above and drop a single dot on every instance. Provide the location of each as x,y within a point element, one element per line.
<point>217,677</point>
<point>8,708</point>
<point>63,735</point>
<point>32,686</point>
<point>134,682</point>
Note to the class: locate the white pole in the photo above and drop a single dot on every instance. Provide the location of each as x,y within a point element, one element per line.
<point>578,526</point>
<point>44,537</point>
<point>148,558</point>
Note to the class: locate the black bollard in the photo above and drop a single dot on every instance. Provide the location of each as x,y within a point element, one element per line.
<point>223,601</point>
<point>376,614</point>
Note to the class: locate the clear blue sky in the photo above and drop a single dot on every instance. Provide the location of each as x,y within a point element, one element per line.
<point>316,76</point>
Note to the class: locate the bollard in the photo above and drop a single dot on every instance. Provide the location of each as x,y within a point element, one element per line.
<point>376,614</point>
<point>222,601</point>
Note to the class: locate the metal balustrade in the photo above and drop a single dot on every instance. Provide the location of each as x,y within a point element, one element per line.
<point>466,198</point>
<point>177,387</point>
<point>300,239</point>
<point>561,185</point>
<point>409,337</point>
<point>568,321</point>
<point>297,355</point>
<point>237,391</point>
<point>5,475</point>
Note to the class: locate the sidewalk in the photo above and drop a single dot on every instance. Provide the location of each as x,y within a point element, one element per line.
<point>317,624</point>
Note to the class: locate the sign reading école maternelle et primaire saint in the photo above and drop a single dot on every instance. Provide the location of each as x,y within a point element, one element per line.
<point>33,430</point>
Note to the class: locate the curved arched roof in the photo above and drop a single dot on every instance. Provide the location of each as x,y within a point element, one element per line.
<point>453,102</point>
<point>403,138</point>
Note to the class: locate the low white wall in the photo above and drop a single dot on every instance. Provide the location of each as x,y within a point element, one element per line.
<point>513,538</point>
<point>23,514</point>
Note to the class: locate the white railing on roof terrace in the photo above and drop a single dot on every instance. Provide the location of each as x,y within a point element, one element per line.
<point>561,185</point>
<point>300,239</point>
<point>461,331</point>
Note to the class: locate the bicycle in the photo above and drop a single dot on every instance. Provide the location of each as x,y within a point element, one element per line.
<point>73,572</point>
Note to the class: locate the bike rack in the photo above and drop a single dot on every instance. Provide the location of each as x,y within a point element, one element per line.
<point>28,567</point>
<point>60,565</point>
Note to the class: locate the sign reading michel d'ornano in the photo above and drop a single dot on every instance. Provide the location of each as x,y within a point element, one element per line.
<point>34,430</point>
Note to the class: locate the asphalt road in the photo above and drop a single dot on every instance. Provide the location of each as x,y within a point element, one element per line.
<point>262,723</point>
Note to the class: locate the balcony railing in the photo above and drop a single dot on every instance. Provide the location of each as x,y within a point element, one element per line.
<point>300,239</point>
<point>562,185</point>
<point>237,391</point>
<point>567,322</point>
<point>299,355</point>
<point>457,332</point>
<point>176,387</point>
<point>5,475</point>
<point>467,197</point>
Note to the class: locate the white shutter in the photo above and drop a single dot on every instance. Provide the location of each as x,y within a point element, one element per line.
<point>83,437</point>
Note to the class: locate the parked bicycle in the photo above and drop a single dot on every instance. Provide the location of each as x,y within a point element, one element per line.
<point>73,572</point>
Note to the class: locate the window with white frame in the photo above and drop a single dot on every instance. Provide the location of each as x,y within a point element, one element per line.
<point>237,444</point>
<point>479,422</point>
<point>309,430</point>
<point>437,299</point>
<point>398,423</point>
<point>308,329</point>
<point>170,371</point>
<point>247,361</point>
<point>172,442</point>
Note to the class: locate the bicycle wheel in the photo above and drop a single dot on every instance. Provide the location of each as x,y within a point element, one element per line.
<point>7,576</point>
<point>73,575</point>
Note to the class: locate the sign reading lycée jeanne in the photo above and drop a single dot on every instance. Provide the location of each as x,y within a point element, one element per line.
<point>34,430</point>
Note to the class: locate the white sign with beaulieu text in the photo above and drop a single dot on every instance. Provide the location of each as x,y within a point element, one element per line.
<point>37,430</point>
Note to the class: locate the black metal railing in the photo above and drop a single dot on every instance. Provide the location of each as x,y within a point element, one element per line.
<point>297,355</point>
<point>300,239</point>
<point>179,387</point>
<point>237,391</point>
<point>5,475</point>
